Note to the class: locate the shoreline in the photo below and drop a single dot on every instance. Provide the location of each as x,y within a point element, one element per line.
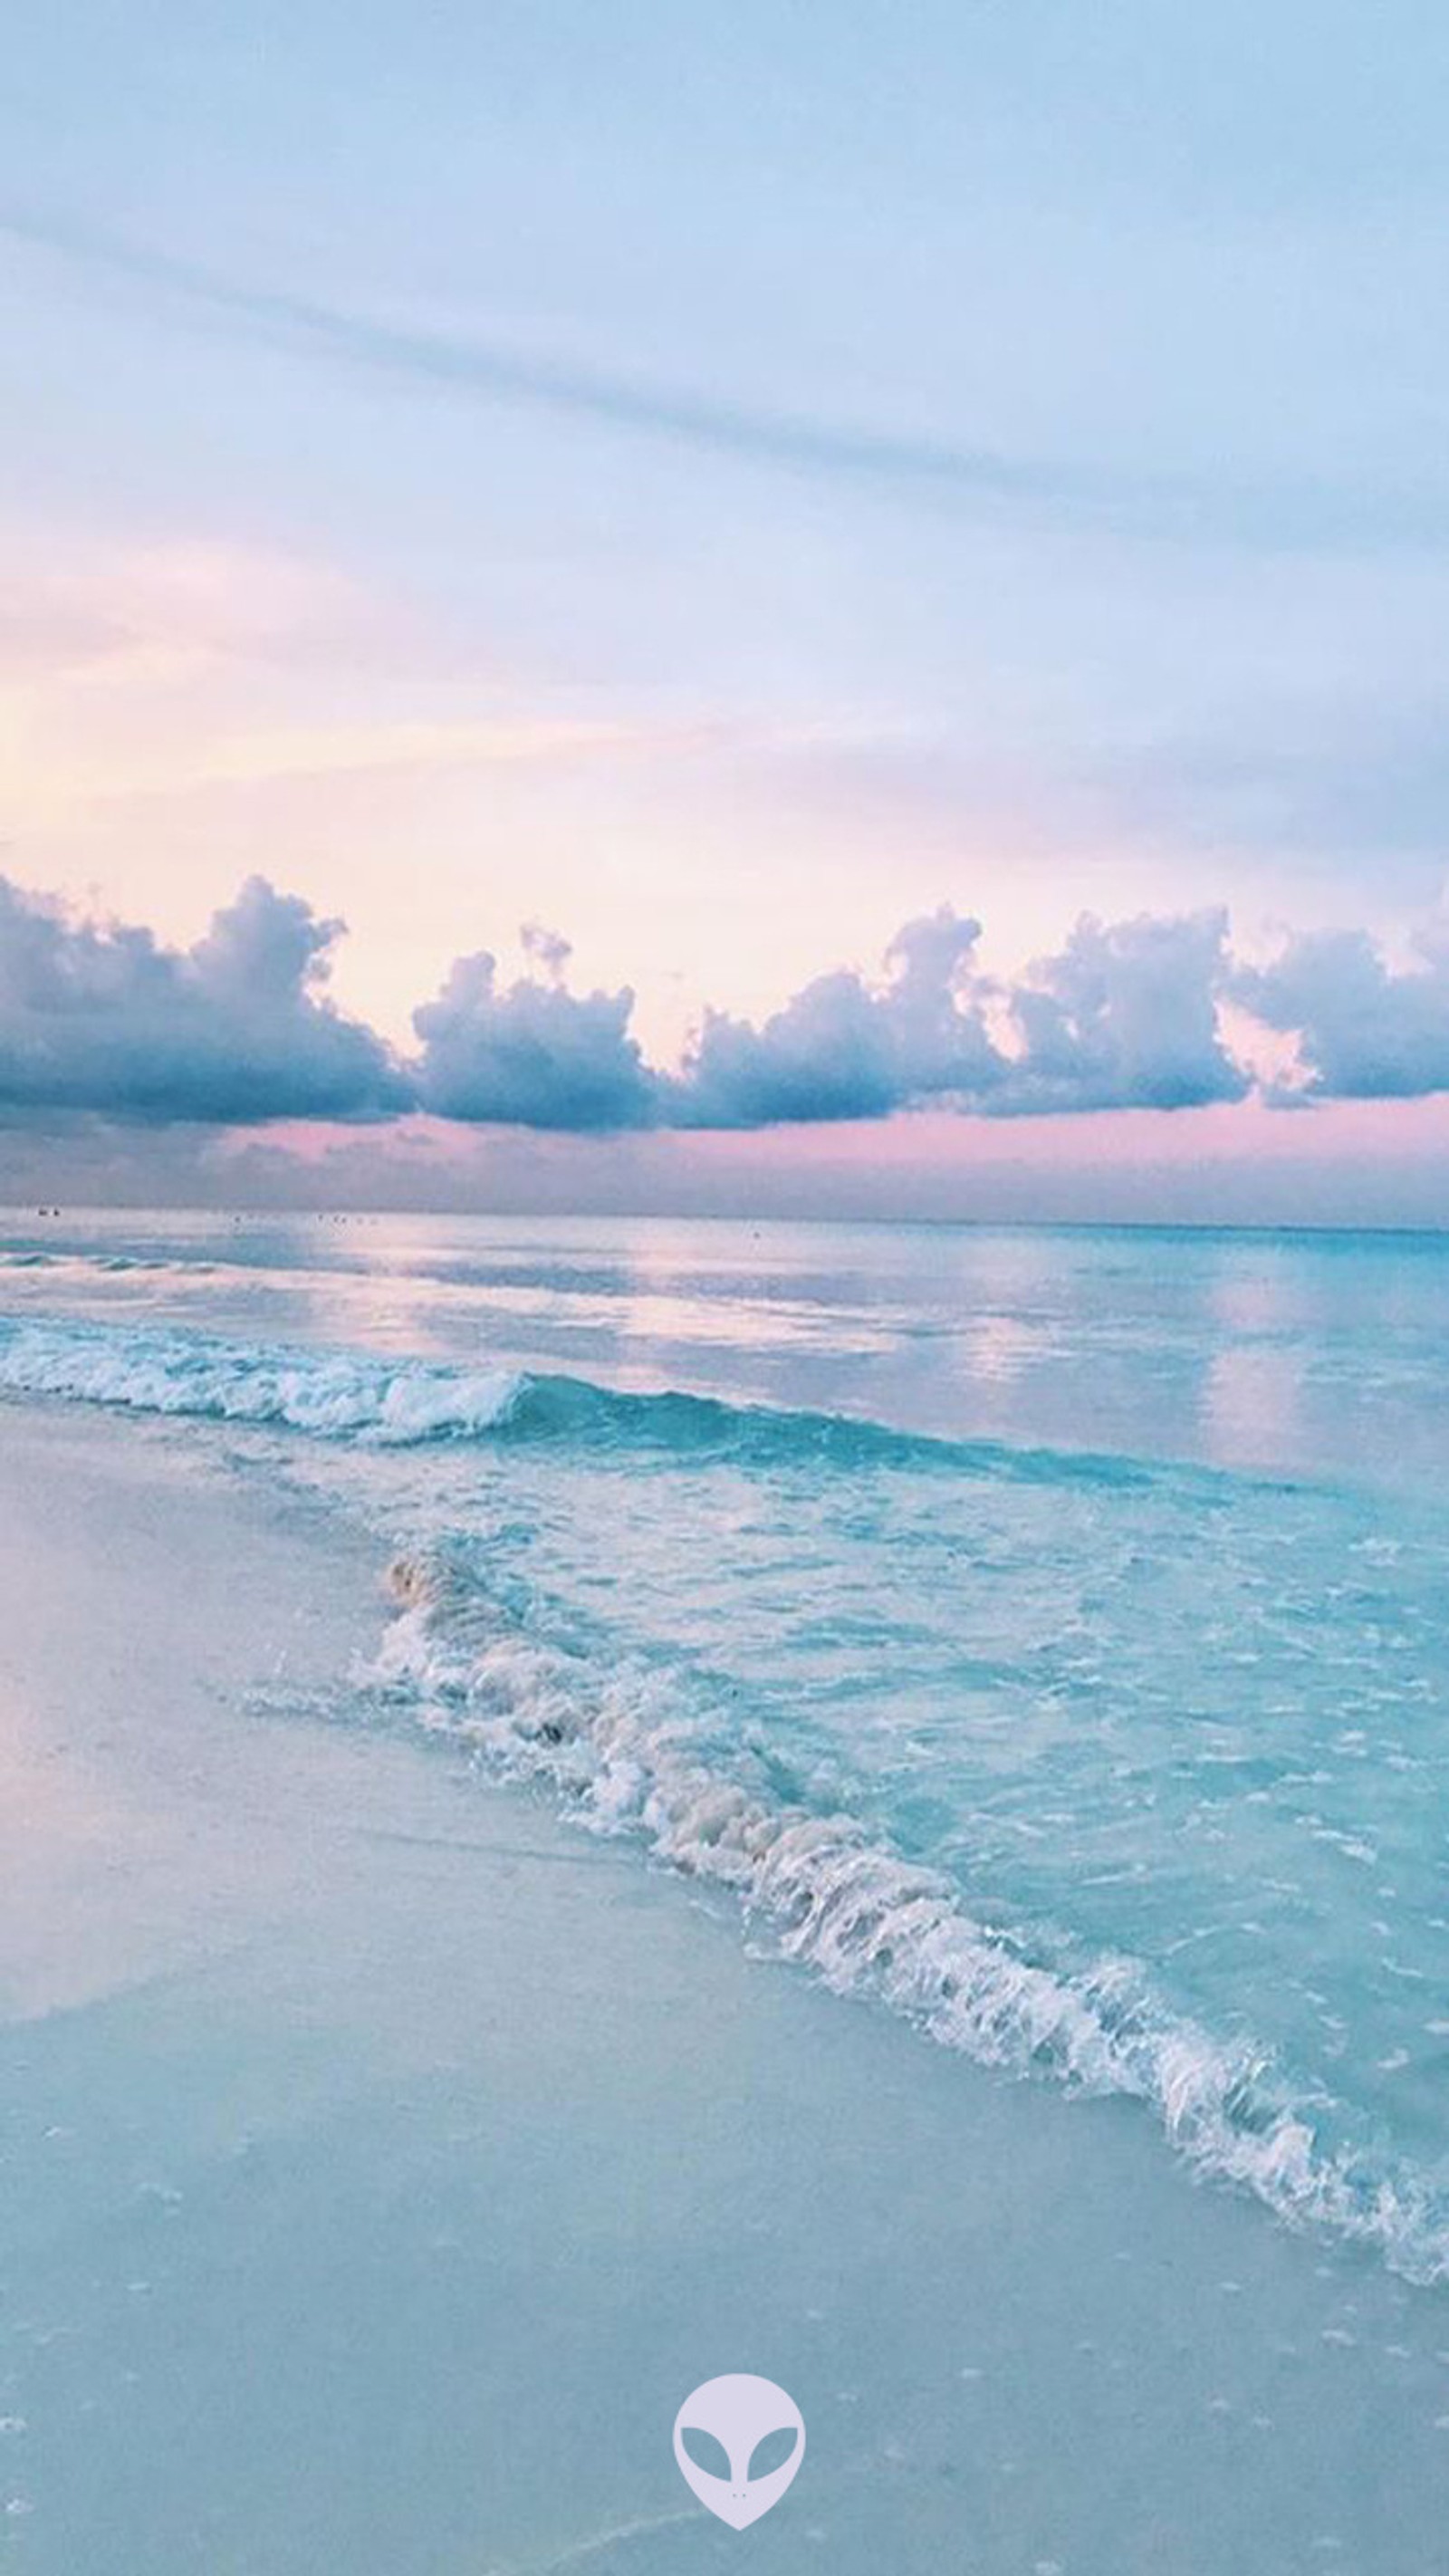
<point>448,2147</point>
<point>361,1212</point>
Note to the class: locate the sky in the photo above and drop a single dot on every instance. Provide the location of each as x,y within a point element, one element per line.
<point>766,608</point>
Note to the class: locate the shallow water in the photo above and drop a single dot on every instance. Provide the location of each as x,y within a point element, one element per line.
<point>382,2158</point>
<point>1046,1633</point>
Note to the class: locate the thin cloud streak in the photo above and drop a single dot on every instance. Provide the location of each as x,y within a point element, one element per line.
<point>1273,515</point>
<point>502,376</point>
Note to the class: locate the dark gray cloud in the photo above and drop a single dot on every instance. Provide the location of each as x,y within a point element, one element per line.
<point>99,1016</point>
<point>531,1054</point>
<point>1365,1030</point>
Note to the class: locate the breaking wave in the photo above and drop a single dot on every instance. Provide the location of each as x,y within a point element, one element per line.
<point>332,1394</point>
<point>373,1399</point>
<point>631,1749</point>
<point>628,1754</point>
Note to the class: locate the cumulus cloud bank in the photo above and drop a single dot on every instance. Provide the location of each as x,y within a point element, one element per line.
<point>1127,1018</point>
<point>1124,1017</point>
<point>843,1048</point>
<point>531,1054</point>
<point>100,1016</point>
<point>1364,1031</point>
<point>103,1018</point>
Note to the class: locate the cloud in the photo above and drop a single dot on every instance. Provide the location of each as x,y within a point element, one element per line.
<point>1364,1030</point>
<point>552,952</point>
<point>502,375</point>
<point>531,1054</point>
<point>101,1017</point>
<point>1272,511</point>
<point>845,1049</point>
<point>1126,1017</point>
<point>1123,1017</point>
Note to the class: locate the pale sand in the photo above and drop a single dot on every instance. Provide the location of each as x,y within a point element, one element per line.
<point>384,2161</point>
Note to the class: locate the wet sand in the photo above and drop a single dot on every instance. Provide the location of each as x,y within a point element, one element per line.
<point>384,2160</point>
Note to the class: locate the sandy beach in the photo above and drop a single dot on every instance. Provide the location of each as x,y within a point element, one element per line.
<point>724,1290</point>
<point>386,2160</point>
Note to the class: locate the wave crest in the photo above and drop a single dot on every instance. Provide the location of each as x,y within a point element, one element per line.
<point>371,1398</point>
<point>332,1394</point>
<point>630,1757</point>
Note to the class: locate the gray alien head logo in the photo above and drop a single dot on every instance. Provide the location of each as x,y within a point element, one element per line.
<point>739,2414</point>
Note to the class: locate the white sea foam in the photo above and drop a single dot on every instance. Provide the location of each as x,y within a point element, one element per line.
<point>330,1393</point>
<point>348,1394</point>
<point>630,1757</point>
<point>625,1745</point>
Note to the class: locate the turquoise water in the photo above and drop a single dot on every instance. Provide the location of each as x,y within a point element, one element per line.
<point>1043,1634</point>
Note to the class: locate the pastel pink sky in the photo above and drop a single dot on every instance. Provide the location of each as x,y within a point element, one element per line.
<point>1341,1163</point>
<point>174,716</point>
<point>470,470</point>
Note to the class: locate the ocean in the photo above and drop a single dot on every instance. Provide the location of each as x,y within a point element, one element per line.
<point>1040,1634</point>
